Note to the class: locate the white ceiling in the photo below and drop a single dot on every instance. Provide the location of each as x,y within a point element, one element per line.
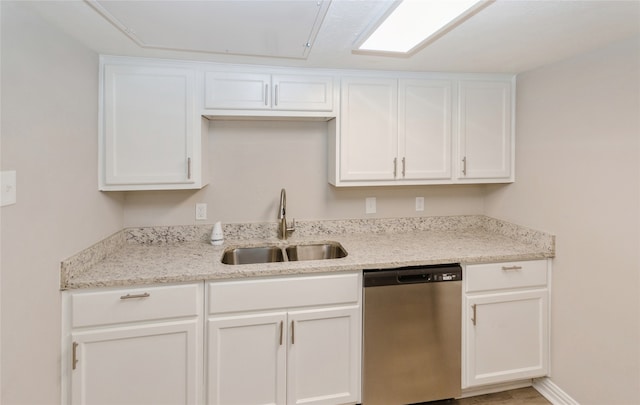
<point>507,36</point>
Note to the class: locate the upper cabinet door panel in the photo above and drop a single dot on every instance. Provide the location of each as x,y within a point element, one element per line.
<point>425,128</point>
<point>237,91</point>
<point>485,129</point>
<point>369,127</point>
<point>148,124</point>
<point>303,93</point>
<point>255,91</point>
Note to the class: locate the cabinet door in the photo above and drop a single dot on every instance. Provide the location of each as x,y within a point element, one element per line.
<point>240,91</point>
<point>247,360</point>
<point>324,356</point>
<point>149,364</point>
<point>149,125</point>
<point>485,130</point>
<point>369,129</point>
<point>424,129</point>
<point>302,93</point>
<point>506,336</point>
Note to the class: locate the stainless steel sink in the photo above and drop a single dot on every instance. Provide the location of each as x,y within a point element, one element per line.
<point>249,255</point>
<point>292,253</point>
<point>316,251</point>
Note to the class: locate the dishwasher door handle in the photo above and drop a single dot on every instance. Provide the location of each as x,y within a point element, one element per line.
<point>413,278</point>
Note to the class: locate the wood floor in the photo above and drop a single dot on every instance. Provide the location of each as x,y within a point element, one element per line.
<point>521,396</point>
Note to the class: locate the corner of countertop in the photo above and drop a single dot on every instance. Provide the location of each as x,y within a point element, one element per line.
<point>542,240</point>
<point>85,259</point>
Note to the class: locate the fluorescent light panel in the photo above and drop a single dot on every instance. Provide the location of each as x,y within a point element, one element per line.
<point>412,22</point>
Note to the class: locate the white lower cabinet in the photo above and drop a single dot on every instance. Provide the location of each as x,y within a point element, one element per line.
<point>134,346</point>
<point>506,321</point>
<point>323,360</point>
<point>247,359</point>
<point>283,340</point>
<point>305,349</point>
<point>150,364</point>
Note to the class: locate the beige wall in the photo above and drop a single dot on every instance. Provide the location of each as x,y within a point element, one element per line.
<point>251,161</point>
<point>578,135</point>
<point>578,176</point>
<point>49,121</point>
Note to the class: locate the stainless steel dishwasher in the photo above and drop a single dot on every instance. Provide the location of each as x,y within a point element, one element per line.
<point>412,334</point>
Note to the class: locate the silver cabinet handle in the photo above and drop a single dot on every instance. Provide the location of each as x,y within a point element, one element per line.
<point>131,296</point>
<point>507,268</point>
<point>464,166</point>
<point>281,327</point>
<point>266,94</point>
<point>74,355</point>
<point>403,166</point>
<point>293,333</point>
<point>188,168</point>
<point>276,95</point>
<point>473,319</point>
<point>395,167</point>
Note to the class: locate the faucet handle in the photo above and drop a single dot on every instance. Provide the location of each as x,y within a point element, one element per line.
<point>293,226</point>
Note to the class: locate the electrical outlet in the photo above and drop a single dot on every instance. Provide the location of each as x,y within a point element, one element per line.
<point>370,205</point>
<point>201,211</point>
<point>419,203</point>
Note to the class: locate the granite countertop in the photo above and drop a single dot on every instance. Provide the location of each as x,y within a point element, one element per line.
<point>143,256</point>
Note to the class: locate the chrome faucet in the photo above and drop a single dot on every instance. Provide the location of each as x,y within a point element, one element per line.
<point>283,228</point>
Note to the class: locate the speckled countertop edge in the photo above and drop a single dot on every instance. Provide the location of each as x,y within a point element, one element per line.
<point>153,255</point>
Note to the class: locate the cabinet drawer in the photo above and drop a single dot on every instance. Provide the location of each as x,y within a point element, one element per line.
<point>262,294</point>
<point>497,276</point>
<point>134,304</point>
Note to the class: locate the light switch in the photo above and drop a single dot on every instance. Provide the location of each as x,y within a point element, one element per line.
<point>370,205</point>
<point>419,203</point>
<point>8,188</point>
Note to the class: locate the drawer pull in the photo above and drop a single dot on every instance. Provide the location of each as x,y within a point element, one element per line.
<point>506,268</point>
<point>131,296</point>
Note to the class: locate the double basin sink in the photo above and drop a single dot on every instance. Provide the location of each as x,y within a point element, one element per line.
<point>290,253</point>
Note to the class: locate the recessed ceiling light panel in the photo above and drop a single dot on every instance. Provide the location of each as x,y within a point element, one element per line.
<point>411,24</point>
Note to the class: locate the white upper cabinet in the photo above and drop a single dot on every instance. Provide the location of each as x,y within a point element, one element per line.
<point>384,128</point>
<point>485,131</point>
<point>369,124</point>
<point>227,90</point>
<point>405,130</point>
<point>424,129</point>
<point>394,131</point>
<point>262,91</point>
<point>150,133</point>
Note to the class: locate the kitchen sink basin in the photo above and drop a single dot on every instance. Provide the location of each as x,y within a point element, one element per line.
<point>249,255</point>
<point>316,251</point>
<point>292,253</point>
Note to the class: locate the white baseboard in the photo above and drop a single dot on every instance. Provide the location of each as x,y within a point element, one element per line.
<point>552,392</point>
<point>490,389</point>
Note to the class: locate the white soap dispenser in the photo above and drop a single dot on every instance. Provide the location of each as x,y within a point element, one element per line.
<point>217,237</point>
